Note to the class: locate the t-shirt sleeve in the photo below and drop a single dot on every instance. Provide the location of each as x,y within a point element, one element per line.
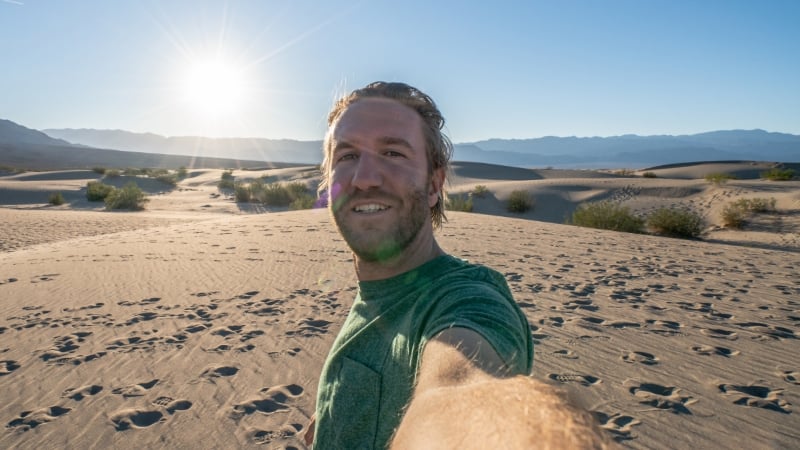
<point>484,310</point>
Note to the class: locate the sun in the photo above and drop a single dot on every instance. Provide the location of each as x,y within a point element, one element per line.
<point>214,87</point>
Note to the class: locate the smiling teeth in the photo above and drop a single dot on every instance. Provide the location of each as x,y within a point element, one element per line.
<point>372,207</point>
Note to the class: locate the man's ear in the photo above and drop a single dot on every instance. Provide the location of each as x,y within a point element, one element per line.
<point>435,189</point>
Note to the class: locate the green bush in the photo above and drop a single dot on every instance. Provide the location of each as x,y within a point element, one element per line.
<point>625,172</point>
<point>650,175</point>
<point>182,173</point>
<point>719,178</point>
<point>99,170</point>
<point>112,173</point>
<point>132,172</point>
<point>97,191</point>
<point>241,192</point>
<point>676,223</point>
<point>276,195</point>
<point>128,197</point>
<point>226,180</point>
<point>304,201</point>
<point>733,216</point>
<point>459,203</point>
<point>776,174</point>
<point>607,216</point>
<point>296,189</point>
<point>168,178</point>
<point>56,199</point>
<point>480,191</point>
<point>520,201</point>
<point>735,213</point>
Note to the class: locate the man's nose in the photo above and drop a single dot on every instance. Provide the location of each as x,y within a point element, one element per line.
<point>368,173</point>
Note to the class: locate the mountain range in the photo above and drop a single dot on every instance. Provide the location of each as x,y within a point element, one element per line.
<point>24,147</point>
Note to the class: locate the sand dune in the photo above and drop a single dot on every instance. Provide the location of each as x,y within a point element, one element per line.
<point>188,325</point>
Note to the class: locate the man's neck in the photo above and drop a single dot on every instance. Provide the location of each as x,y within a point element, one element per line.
<point>413,257</point>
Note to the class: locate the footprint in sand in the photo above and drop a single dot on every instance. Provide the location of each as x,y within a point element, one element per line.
<point>135,390</point>
<point>645,358</point>
<point>583,380</point>
<point>310,328</point>
<point>667,398</point>
<point>719,333</point>
<point>28,420</point>
<point>135,418</point>
<point>273,399</point>
<point>565,354</point>
<point>617,424</point>
<point>82,392</point>
<point>708,350</point>
<point>8,366</point>
<point>45,277</point>
<point>286,432</point>
<point>766,332</point>
<point>213,372</point>
<point>758,397</point>
<point>172,405</point>
<point>7,280</point>
<point>790,376</point>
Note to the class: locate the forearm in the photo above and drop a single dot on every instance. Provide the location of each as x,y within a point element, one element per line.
<point>511,413</point>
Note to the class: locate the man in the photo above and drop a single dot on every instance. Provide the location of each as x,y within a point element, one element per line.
<point>425,328</point>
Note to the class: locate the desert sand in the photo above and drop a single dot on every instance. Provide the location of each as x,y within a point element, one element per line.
<point>202,323</point>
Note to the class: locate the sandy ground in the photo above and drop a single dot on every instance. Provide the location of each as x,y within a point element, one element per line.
<point>203,323</point>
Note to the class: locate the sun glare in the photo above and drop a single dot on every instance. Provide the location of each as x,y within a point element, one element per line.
<point>214,88</point>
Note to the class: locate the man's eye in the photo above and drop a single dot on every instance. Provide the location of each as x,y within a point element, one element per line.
<point>393,154</point>
<point>346,157</point>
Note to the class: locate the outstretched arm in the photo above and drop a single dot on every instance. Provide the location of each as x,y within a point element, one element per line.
<point>466,399</point>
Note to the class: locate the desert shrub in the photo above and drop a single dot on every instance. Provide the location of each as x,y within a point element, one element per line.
<point>624,172</point>
<point>650,175</point>
<point>756,205</point>
<point>56,199</point>
<point>735,213</point>
<point>607,216</point>
<point>129,196</point>
<point>520,201</point>
<point>733,216</point>
<point>97,191</point>
<point>241,192</point>
<point>168,178</point>
<point>276,195</point>
<point>675,222</point>
<point>776,174</point>
<point>459,203</point>
<point>296,189</point>
<point>99,170</point>
<point>182,173</point>
<point>480,191</point>
<point>112,173</point>
<point>719,178</point>
<point>226,180</point>
<point>304,201</point>
<point>132,172</point>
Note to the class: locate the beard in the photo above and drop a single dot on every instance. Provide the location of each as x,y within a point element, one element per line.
<point>377,244</point>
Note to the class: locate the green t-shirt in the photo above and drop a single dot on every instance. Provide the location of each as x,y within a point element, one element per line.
<point>370,374</point>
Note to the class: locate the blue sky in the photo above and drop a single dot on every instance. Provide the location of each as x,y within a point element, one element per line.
<point>505,69</point>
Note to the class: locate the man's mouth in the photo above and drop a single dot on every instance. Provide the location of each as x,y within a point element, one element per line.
<point>370,208</point>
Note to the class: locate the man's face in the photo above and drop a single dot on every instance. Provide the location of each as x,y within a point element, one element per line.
<point>380,191</point>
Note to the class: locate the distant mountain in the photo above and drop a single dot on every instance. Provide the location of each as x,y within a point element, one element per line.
<point>25,148</point>
<point>564,152</point>
<point>284,150</point>
<point>633,150</point>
